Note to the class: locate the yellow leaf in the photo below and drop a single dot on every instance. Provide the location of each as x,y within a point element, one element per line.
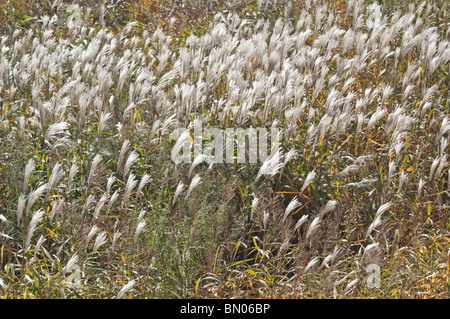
<point>251,272</point>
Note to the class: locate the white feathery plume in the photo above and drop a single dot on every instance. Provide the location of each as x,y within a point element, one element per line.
<point>57,208</point>
<point>383,208</point>
<point>376,222</point>
<point>112,200</point>
<point>290,155</point>
<point>329,207</point>
<point>369,248</point>
<point>392,167</point>
<point>402,179</point>
<point>39,243</point>
<point>330,258</point>
<point>123,151</point>
<point>323,126</point>
<point>32,227</point>
<point>56,129</point>
<point>255,202</point>
<point>132,158</point>
<point>349,169</point>
<point>313,226</point>
<point>100,204</point>
<point>294,204</point>
<point>361,119</point>
<point>73,171</point>
<point>300,222</point>
<point>114,240</point>
<point>309,178</point>
<point>100,240</point>
<point>141,216</point>
<point>433,167</point>
<point>144,180</point>
<point>97,159</point>
<point>109,183</point>
<point>126,288</point>
<point>311,134</point>
<point>420,187</point>
<point>326,261</point>
<point>184,138</point>
<point>444,144</point>
<point>28,170</point>
<point>442,164</point>
<point>139,229</point>
<point>407,91</point>
<point>348,83</point>
<point>178,192</point>
<point>350,285</point>
<point>131,184</point>
<point>34,195</point>
<point>198,160</point>
<point>20,207</point>
<point>55,176</point>
<point>379,114</point>
<point>2,285</point>
<point>195,181</point>
<point>387,91</point>
<point>311,264</point>
<point>271,166</point>
<point>91,234</point>
<point>104,117</point>
<point>445,127</point>
<point>365,181</point>
<point>71,264</point>
<point>88,203</point>
<point>398,148</point>
<point>266,219</point>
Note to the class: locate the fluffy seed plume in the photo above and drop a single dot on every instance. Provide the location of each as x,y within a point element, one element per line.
<point>125,289</point>
<point>71,264</point>
<point>34,195</point>
<point>131,184</point>
<point>198,160</point>
<point>73,171</point>
<point>300,222</point>
<point>28,170</point>
<point>100,240</point>
<point>140,227</point>
<point>309,178</point>
<point>91,234</point>
<point>112,200</point>
<point>271,166</point>
<point>310,265</point>
<point>195,182</point>
<point>313,226</point>
<point>114,240</point>
<point>123,151</point>
<point>132,158</point>
<point>178,191</point>
<point>329,207</point>
<point>20,207</point>
<point>97,159</point>
<point>144,181</point>
<point>32,227</point>
<point>294,204</point>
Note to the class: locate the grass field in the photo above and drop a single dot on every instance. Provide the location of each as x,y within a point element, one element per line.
<point>356,203</point>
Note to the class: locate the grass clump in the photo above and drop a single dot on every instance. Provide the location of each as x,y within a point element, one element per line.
<point>93,206</point>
